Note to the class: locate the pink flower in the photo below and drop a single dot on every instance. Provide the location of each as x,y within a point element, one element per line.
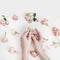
<point>55,31</point>
<point>4,40</point>
<point>12,50</point>
<point>7,23</point>
<point>55,44</point>
<point>15,18</point>
<point>27,17</point>
<point>14,32</point>
<point>44,39</point>
<point>3,22</point>
<point>33,53</point>
<point>44,21</point>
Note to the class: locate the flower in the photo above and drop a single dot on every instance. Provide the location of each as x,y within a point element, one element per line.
<point>55,44</point>
<point>11,50</point>
<point>14,32</point>
<point>15,18</point>
<point>4,21</point>
<point>33,53</point>
<point>55,31</point>
<point>4,39</point>
<point>44,39</point>
<point>44,21</point>
<point>28,17</point>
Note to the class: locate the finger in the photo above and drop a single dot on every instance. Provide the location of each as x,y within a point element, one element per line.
<point>29,35</point>
<point>26,33</point>
<point>37,32</point>
<point>34,39</point>
<point>38,36</point>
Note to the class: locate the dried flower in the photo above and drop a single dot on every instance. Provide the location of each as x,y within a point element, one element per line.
<point>4,39</point>
<point>44,22</point>
<point>28,17</point>
<point>55,44</point>
<point>33,53</point>
<point>55,31</point>
<point>4,21</point>
<point>15,18</point>
<point>11,50</point>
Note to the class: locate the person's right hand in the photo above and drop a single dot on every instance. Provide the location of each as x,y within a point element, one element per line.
<point>37,41</point>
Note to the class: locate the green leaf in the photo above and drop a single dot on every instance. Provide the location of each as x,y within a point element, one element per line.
<point>4,18</point>
<point>34,14</point>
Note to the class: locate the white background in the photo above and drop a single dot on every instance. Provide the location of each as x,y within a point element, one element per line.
<point>44,8</point>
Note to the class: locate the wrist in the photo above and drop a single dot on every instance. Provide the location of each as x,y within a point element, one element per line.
<point>24,55</point>
<point>39,51</point>
<point>24,51</point>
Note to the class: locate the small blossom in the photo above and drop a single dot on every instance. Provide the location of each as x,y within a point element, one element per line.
<point>33,53</point>
<point>4,39</point>
<point>15,18</point>
<point>44,39</point>
<point>7,23</point>
<point>4,21</point>
<point>44,21</point>
<point>11,50</point>
<point>55,31</point>
<point>28,17</point>
<point>55,44</point>
<point>15,32</point>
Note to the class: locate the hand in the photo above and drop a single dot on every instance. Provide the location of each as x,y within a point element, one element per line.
<point>25,44</point>
<point>26,41</point>
<point>37,41</point>
<point>38,44</point>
